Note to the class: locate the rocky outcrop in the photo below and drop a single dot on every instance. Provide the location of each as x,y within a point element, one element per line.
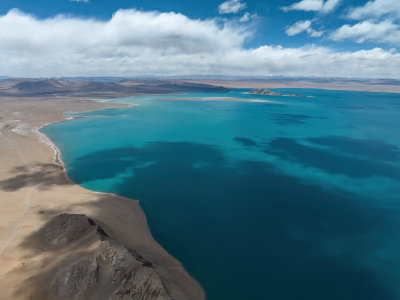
<point>93,265</point>
<point>271,93</point>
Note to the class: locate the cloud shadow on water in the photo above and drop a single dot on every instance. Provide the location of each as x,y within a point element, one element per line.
<point>289,119</point>
<point>335,159</point>
<point>246,142</point>
<point>372,149</point>
<point>246,231</point>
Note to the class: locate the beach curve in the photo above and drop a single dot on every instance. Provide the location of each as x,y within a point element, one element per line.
<point>40,175</point>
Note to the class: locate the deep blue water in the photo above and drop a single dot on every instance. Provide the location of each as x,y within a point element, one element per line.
<point>297,198</point>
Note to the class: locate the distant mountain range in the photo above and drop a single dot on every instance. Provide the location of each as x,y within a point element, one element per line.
<point>114,87</point>
<point>102,89</point>
<point>380,81</point>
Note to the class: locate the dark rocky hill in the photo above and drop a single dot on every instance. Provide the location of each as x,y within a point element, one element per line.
<point>92,265</point>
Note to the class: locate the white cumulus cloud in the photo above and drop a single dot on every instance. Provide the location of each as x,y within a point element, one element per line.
<point>126,31</point>
<point>301,26</point>
<point>231,7</point>
<point>248,17</point>
<point>376,9</point>
<point>137,43</point>
<point>298,27</point>
<point>382,32</point>
<point>378,22</point>
<point>314,5</point>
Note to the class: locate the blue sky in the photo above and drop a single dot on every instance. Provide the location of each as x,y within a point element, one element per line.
<point>252,38</point>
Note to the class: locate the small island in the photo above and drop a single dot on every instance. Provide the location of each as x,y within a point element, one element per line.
<point>271,93</point>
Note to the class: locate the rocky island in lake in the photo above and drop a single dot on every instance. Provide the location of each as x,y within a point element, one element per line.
<point>271,93</point>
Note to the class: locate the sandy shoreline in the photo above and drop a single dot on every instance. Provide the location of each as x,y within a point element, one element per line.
<point>34,188</point>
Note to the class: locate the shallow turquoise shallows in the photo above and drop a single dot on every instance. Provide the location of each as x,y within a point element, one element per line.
<point>287,198</point>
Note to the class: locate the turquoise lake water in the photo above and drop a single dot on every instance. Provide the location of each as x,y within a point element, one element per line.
<point>297,198</point>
